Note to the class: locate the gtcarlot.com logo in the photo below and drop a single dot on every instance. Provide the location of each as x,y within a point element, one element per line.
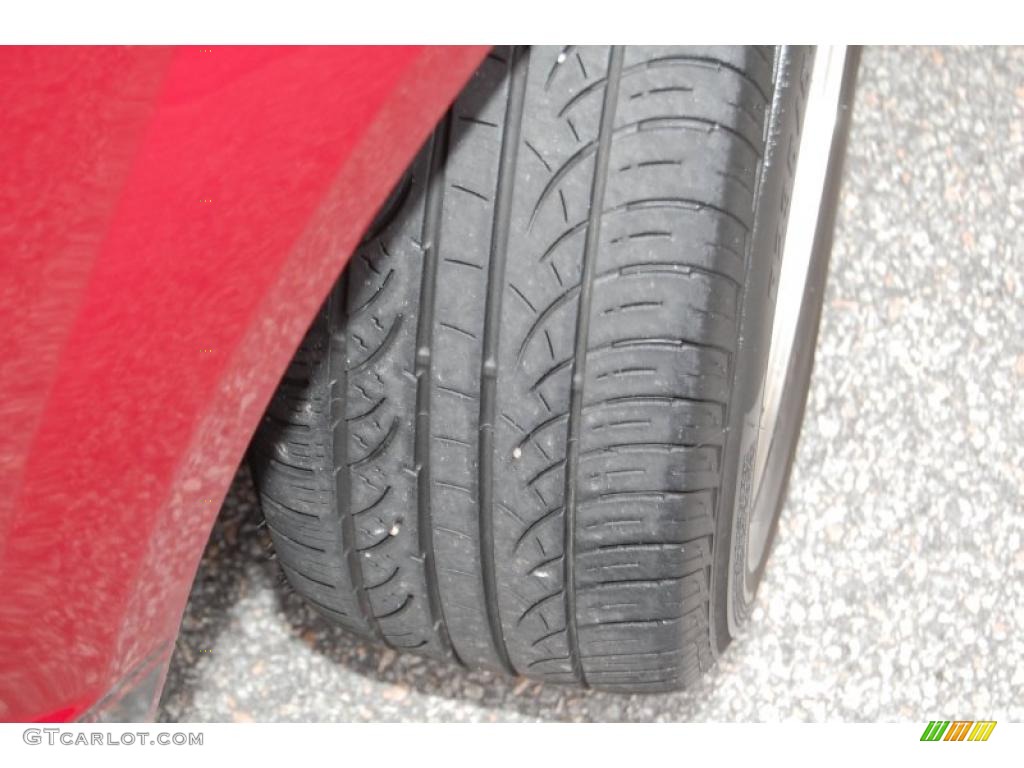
<point>70,738</point>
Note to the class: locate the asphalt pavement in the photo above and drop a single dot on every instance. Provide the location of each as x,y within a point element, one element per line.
<point>895,589</point>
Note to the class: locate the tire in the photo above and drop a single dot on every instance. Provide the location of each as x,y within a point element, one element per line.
<point>517,436</point>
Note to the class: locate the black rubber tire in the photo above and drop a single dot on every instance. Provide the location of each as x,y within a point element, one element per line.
<point>506,438</point>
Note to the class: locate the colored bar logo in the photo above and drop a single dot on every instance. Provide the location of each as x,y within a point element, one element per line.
<point>958,730</point>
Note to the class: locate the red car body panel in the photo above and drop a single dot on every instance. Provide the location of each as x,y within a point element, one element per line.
<point>170,220</point>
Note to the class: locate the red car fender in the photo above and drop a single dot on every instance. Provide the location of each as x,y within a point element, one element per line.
<point>171,220</point>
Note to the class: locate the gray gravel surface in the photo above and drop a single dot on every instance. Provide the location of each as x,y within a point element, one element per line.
<point>896,586</point>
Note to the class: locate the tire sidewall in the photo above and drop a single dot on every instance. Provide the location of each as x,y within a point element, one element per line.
<point>733,584</point>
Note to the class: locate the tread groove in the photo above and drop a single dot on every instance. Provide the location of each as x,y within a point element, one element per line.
<point>517,70</point>
<point>572,451</point>
<point>433,210</point>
